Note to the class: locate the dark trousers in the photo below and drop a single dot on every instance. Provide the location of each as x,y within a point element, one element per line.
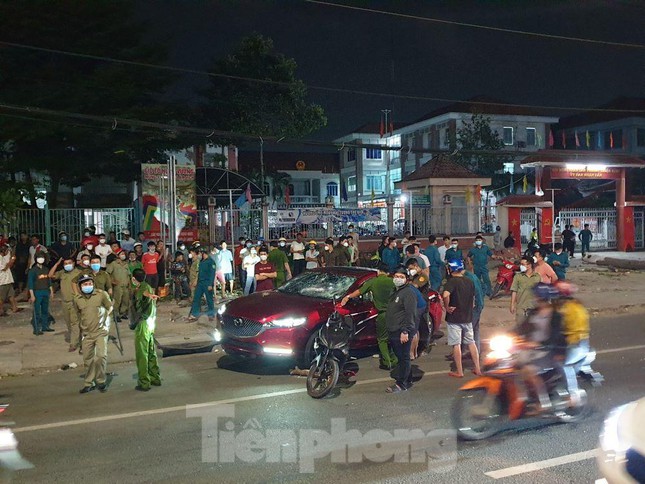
<point>403,372</point>
<point>299,266</point>
<point>202,291</point>
<point>569,246</point>
<point>41,310</point>
<point>153,280</point>
<point>585,247</point>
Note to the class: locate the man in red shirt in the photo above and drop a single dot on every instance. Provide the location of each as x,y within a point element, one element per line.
<point>265,272</point>
<point>149,261</point>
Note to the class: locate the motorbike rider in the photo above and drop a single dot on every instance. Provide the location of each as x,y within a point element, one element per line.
<point>543,342</point>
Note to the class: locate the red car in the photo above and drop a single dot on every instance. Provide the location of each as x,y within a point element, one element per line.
<point>284,322</point>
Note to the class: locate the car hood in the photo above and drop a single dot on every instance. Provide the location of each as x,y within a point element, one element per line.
<point>270,305</point>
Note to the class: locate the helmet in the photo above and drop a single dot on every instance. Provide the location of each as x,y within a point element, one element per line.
<point>545,292</point>
<point>566,288</point>
<point>312,242</point>
<point>456,265</point>
<point>84,278</point>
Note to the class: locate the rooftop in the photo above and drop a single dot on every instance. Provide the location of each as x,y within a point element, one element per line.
<point>561,157</point>
<point>594,117</point>
<point>441,166</point>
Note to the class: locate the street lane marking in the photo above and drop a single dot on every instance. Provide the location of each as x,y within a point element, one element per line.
<point>182,408</point>
<point>543,464</point>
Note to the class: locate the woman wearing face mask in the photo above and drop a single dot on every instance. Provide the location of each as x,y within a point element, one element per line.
<point>40,290</point>
<point>312,256</point>
<point>248,264</point>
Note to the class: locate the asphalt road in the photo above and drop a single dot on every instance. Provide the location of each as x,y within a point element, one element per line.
<point>127,436</point>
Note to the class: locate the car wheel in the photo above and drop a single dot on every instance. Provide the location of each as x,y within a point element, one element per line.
<point>308,354</point>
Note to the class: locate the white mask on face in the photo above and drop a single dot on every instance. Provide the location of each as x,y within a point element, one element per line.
<point>263,257</point>
<point>86,262</point>
<point>254,252</point>
<point>398,282</point>
<point>523,269</point>
<point>40,260</point>
<point>102,241</point>
<point>346,244</point>
<point>282,244</point>
<point>90,246</point>
<point>412,272</point>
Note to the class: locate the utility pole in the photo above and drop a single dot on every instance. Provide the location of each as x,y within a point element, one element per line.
<point>553,190</point>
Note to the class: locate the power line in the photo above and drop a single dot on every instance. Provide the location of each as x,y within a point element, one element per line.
<point>310,86</point>
<point>479,26</point>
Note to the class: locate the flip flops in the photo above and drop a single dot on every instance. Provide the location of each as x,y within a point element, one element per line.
<point>455,374</point>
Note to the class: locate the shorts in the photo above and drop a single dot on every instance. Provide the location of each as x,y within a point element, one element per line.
<point>6,291</point>
<point>459,334</point>
<point>223,277</point>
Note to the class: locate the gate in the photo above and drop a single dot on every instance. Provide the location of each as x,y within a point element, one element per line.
<point>528,221</point>
<point>639,226</point>
<point>47,223</point>
<point>602,223</point>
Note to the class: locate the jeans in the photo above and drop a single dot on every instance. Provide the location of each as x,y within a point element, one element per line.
<point>202,290</point>
<point>41,310</point>
<point>585,246</point>
<point>249,286</point>
<point>181,287</point>
<point>403,372</point>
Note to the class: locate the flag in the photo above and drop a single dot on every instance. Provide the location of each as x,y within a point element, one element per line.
<point>577,140</point>
<point>588,139</point>
<point>611,140</point>
<point>391,127</point>
<point>538,181</point>
<point>372,196</point>
<point>382,126</point>
<point>287,196</point>
<point>564,141</point>
<point>551,140</point>
<point>241,200</point>
<point>343,190</point>
<point>525,184</point>
<point>247,193</point>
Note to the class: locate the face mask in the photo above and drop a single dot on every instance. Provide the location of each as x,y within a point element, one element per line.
<point>102,241</point>
<point>90,246</point>
<point>254,252</point>
<point>122,257</point>
<point>558,252</point>
<point>523,269</point>
<point>40,260</point>
<point>68,267</point>
<point>63,238</point>
<point>412,272</point>
<point>133,261</point>
<point>86,234</point>
<point>182,247</point>
<point>86,263</point>
<point>249,244</point>
<point>282,244</point>
<point>478,242</point>
<point>263,257</point>
<point>454,246</point>
<point>345,244</point>
<point>96,267</point>
<point>326,247</point>
<point>224,246</point>
<point>312,247</point>
<point>398,282</point>
<point>151,250</point>
<point>87,289</point>
<point>190,256</point>
<point>535,260</point>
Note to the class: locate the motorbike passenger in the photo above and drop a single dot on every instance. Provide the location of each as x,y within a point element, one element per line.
<point>543,342</point>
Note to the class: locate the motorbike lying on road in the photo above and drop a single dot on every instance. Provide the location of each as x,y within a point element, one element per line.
<point>483,405</point>
<point>332,354</point>
<point>10,458</point>
<point>505,275</point>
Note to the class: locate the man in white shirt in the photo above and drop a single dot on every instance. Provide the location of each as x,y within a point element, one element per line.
<point>6,280</point>
<point>354,238</point>
<point>128,242</point>
<point>103,250</point>
<point>297,250</point>
<point>442,249</point>
<point>36,246</point>
<point>248,264</point>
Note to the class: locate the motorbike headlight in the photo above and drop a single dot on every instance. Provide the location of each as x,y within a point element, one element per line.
<point>500,346</point>
<point>288,322</point>
<point>221,309</point>
<point>509,266</point>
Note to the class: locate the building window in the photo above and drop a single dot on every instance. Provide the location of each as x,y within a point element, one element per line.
<point>373,154</point>
<point>332,189</point>
<point>640,137</point>
<point>509,167</point>
<point>351,154</point>
<point>395,176</point>
<point>530,137</point>
<point>307,187</point>
<point>351,183</point>
<point>445,138</point>
<point>509,138</point>
<point>374,182</point>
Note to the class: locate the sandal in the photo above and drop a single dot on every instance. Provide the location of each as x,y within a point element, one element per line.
<point>394,389</point>
<point>455,374</point>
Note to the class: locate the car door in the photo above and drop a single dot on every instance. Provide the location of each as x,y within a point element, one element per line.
<point>363,313</point>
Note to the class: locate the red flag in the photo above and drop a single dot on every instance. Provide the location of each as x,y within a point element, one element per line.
<point>287,196</point>
<point>577,140</point>
<point>249,198</point>
<point>382,127</point>
<point>611,140</point>
<point>564,141</point>
<point>551,140</point>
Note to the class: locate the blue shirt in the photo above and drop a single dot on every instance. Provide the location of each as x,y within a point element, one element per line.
<point>391,258</point>
<point>479,291</point>
<point>563,259</point>
<point>206,272</point>
<point>432,253</point>
<point>454,254</point>
<point>480,255</point>
<point>421,302</point>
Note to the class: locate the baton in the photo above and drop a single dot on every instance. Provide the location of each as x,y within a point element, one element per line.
<point>117,340</point>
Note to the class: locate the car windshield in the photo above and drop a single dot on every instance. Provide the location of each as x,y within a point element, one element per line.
<point>321,285</point>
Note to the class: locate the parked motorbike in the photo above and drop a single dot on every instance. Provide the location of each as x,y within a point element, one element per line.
<point>332,353</point>
<point>10,458</point>
<point>505,275</point>
<point>484,404</point>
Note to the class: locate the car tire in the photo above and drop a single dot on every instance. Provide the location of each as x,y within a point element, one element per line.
<point>308,353</point>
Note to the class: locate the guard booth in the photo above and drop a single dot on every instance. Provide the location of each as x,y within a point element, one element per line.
<point>520,214</point>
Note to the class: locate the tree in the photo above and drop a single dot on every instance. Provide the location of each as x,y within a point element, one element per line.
<point>259,108</point>
<point>72,150</point>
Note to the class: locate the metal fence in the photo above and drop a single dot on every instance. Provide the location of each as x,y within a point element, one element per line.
<point>47,223</point>
<point>528,221</point>
<point>639,227</point>
<point>602,223</point>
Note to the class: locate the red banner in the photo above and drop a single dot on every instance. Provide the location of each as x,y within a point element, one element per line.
<point>582,173</point>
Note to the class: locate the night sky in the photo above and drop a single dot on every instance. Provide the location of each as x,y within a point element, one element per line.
<point>370,52</point>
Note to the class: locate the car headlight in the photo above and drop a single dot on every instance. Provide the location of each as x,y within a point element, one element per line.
<point>288,322</point>
<point>221,309</point>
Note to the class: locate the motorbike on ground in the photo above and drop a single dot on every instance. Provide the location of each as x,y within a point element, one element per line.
<point>332,353</point>
<point>10,458</point>
<point>505,275</point>
<point>484,405</point>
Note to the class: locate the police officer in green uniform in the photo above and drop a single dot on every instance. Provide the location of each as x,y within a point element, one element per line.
<point>66,278</point>
<point>102,279</point>
<point>92,310</point>
<point>144,316</point>
<point>381,288</point>
<point>121,280</point>
<point>280,261</point>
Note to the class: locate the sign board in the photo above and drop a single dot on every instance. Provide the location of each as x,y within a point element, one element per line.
<point>184,203</point>
<point>585,173</point>
<point>320,215</point>
<point>421,200</point>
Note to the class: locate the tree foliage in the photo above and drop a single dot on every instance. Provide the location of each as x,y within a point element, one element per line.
<point>258,108</point>
<point>477,135</point>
